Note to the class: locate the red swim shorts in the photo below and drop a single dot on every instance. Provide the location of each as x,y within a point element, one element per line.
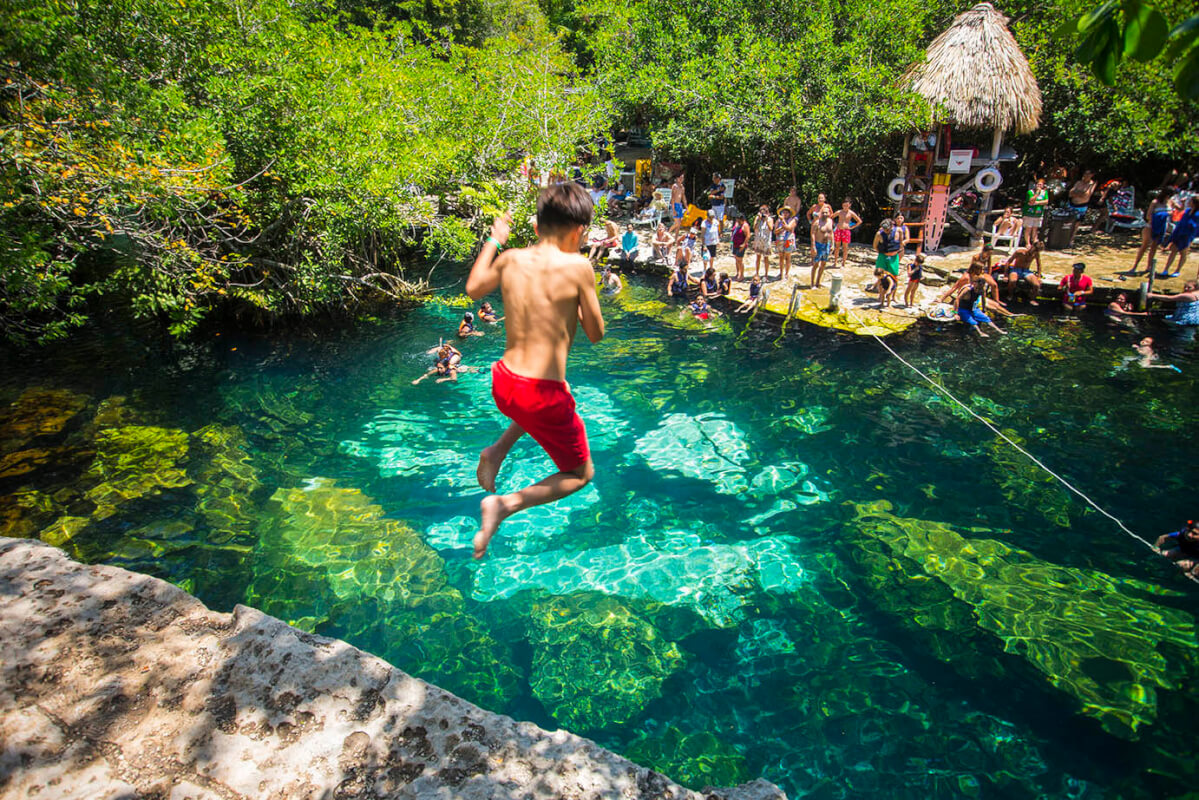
<point>544,409</point>
<point>841,235</point>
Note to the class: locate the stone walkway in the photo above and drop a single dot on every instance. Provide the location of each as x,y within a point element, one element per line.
<point>119,685</point>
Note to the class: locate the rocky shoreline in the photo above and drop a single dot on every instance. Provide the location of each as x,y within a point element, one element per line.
<point>116,684</point>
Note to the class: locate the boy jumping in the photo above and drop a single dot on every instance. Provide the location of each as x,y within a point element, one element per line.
<point>548,289</point>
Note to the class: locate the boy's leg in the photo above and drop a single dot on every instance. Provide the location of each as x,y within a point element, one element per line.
<point>492,457</point>
<point>495,508</point>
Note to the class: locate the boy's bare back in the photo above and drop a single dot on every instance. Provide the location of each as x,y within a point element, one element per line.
<point>546,292</point>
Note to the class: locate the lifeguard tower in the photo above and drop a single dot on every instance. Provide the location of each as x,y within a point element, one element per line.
<point>976,81</point>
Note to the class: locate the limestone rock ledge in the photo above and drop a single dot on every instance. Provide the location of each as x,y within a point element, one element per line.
<point>119,685</point>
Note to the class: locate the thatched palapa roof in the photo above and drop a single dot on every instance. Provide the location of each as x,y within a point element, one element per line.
<point>976,75</point>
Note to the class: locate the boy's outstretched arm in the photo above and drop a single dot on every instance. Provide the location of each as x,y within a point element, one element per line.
<point>484,276</point>
<point>589,308</point>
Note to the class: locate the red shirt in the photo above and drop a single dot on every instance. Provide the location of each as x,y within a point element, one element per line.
<point>1080,283</point>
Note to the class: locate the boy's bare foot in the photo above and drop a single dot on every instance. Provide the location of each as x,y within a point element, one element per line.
<point>489,467</point>
<point>492,511</point>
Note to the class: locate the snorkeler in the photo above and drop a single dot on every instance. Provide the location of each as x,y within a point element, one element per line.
<point>447,363</point>
<point>1182,547</point>
<point>487,313</point>
<point>466,327</point>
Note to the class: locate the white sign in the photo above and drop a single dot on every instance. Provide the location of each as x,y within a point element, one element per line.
<point>959,161</point>
<point>729,183</point>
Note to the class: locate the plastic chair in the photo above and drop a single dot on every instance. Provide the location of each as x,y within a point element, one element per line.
<point>1012,239</point>
<point>1122,211</point>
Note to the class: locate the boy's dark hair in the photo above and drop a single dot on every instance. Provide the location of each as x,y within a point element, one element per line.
<point>562,206</point>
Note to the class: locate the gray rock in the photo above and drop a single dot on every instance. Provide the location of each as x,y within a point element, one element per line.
<point>115,684</point>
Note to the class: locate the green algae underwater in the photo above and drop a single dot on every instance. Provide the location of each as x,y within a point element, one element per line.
<point>797,561</point>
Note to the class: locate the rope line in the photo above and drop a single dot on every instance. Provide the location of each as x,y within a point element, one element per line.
<point>942,389</point>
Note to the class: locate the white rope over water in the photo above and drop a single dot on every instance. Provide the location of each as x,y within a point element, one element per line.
<point>941,388</point>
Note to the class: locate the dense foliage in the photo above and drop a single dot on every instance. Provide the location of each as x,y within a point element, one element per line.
<point>780,93</point>
<point>175,157</point>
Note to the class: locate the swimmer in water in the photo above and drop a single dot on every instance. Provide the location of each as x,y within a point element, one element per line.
<point>447,363</point>
<point>466,328</point>
<point>1148,356</point>
<point>487,314</point>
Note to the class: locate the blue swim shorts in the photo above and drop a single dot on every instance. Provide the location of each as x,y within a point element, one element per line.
<point>1078,211</point>
<point>678,210</point>
<point>972,317</point>
<point>823,249</point>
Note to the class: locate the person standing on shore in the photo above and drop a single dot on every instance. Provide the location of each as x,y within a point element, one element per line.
<point>548,291</point>
<point>822,243</point>
<point>741,234</point>
<point>846,220</point>
<point>1034,211</point>
<point>715,194</point>
<point>763,229</point>
<point>678,202</point>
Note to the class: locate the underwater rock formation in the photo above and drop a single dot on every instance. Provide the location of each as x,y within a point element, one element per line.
<point>38,412</point>
<point>596,662</point>
<point>1084,632</point>
<point>705,447</point>
<point>226,482</point>
<point>691,759</point>
<point>327,561</point>
<point>715,581</point>
<point>135,461</point>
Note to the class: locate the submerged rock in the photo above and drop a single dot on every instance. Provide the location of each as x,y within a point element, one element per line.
<point>715,581</point>
<point>705,447</point>
<point>226,482</point>
<point>38,412</point>
<point>596,662</point>
<point>1095,638</point>
<point>327,561</point>
<point>135,461</point>
<point>695,760</point>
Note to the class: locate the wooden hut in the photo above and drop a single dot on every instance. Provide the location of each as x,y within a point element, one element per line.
<point>976,82</point>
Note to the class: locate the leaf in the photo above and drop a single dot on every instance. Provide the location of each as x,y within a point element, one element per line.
<point>1105,63</point>
<point>1097,15</point>
<point>1093,45</point>
<point>1184,36</point>
<point>1186,76</point>
<point>1145,32</point>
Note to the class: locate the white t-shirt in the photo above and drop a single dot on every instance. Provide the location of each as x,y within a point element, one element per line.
<point>711,233</point>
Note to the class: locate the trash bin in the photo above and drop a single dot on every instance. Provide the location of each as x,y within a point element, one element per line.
<point>1061,230</point>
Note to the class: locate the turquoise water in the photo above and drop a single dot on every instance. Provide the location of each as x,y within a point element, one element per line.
<point>796,560</point>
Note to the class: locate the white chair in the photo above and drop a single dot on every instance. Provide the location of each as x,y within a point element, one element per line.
<point>1012,239</point>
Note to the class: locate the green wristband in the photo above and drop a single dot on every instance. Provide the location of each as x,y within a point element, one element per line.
<point>494,241</point>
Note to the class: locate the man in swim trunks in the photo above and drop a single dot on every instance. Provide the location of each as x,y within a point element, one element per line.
<point>1076,289</point>
<point>822,244</point>
<point>813,213</point>
<point>678,202</point>
<point>846,219</point>
<point>548,291</point>
<point>1080,199</point>
<point>1018,266</point>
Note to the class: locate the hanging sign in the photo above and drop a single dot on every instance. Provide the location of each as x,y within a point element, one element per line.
<point>959,161</point>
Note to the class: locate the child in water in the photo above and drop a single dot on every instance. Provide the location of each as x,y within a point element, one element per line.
<point>548,290</point>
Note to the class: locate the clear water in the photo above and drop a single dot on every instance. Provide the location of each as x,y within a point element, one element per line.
<point>796,561</point>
